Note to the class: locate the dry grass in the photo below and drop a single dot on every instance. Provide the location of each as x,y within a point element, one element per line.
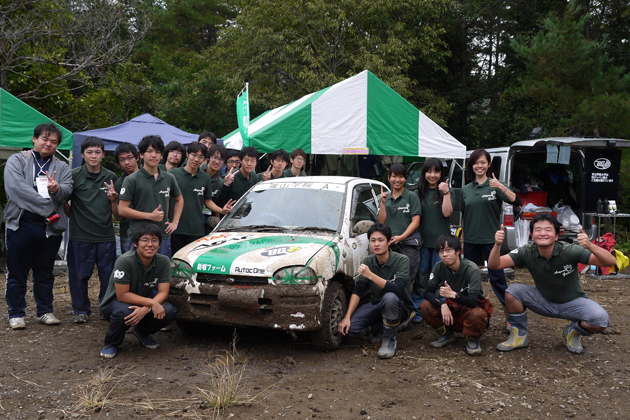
<point>95,394</point>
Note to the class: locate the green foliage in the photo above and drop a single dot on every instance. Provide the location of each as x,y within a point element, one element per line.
<point>572,79</point>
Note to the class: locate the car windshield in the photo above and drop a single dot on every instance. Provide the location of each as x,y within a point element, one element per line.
<point>286,208</point>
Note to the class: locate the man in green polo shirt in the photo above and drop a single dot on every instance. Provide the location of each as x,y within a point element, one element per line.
<point>128,300</point>
<point>126,154</point>
<point>279,160</point>
<point>196,188</point>
<point>557,292</point>
<point>459,305</point>
<point>386,274</point>
<point>237,183</point>
<point>145,194</point>
<point>298,160</point>
<point>92,239</point>
<point>217,155</point>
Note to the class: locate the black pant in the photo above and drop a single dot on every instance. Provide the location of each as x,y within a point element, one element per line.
<point>116,312</point>
<point>180,241</point>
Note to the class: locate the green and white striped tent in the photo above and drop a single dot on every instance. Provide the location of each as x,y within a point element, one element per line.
<point>360,115</point>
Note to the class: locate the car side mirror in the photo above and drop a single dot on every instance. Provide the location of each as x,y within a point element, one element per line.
<point>362,227</point>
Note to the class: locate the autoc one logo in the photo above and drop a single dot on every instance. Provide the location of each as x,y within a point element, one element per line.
<point>602,164</point>
<point>280,250</point>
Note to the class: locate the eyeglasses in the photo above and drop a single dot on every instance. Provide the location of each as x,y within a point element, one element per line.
<point>196,156</point>
<point>234,161</point>
<point>127,159</point>
<point>218,159</point>
<point>299,159</point>
<point>154,241</point>
<point>446,251</point>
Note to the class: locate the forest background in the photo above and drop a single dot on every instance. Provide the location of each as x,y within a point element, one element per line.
<point>488,71</point>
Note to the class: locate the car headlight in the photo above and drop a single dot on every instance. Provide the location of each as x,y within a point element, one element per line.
<point>181,269</point>
<point>295,275</point>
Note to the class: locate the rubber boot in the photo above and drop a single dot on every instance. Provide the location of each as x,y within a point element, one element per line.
<point>573,334</point>
<point>518,332</point>
<point>405,324</point>
<point>446,337</point>
<point>473,345</point>
<point>508,327</point>
<point>388,348</point>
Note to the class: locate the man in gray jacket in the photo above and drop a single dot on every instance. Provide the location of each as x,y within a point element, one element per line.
<point>37,185</point>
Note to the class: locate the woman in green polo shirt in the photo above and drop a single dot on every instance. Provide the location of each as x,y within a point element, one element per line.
<point>400,210</point>
<point>436,204</point>
<point>481,209</point>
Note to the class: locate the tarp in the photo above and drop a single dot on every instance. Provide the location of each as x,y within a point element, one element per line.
<point>18,120</point>
<point>360,115</point>
<point>132,132</point>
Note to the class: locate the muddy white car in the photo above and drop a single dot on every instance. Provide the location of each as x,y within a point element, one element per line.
<point>285,258</point>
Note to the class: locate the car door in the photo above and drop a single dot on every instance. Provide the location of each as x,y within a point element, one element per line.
<point>363,207</point>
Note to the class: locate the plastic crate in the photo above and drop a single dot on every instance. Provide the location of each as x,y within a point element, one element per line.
<point>537,198</point>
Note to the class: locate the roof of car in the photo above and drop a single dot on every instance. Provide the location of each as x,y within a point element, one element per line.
<point>577,141</point>
<point>327,179</point>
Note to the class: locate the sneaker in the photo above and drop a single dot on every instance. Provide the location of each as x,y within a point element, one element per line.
<point>109,352</point>
<point>80,319</point>
<point>146,340</point>
<point>417,319</point>
<point>49,319</point>
<point>17,323</point>
<point>388,348</point>
<point>473,348</point>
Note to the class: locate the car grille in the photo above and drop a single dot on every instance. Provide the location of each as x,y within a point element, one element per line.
<point>213,279</point>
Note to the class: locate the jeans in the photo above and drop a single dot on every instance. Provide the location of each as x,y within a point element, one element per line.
<point>81,259</point>
<point>474,252</point>
<point>372,314</point>
<point>164,249</point>
<point>116,312</point>
<point>29,248</point>
<point>428,258</point>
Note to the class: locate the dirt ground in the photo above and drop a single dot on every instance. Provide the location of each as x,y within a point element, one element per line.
<point>56,372</point>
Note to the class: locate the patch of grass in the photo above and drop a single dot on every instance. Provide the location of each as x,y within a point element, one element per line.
<point>94,395</point>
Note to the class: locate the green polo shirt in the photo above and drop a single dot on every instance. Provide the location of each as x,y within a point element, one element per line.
<point>432,220</point>
<point>130,270</point>
<point>90,209</point>
<point>400,211</point>
<point>124,222</point>
<point>217,183</point>
<point>466,280</point>
<point>145,193</point>
<point>195,189</point>
<point>397,266</point>
<point>241,185</point>
<point>481,208</point>
<point>288,174</point>
<point>281,176</point>
<point>557,278</point>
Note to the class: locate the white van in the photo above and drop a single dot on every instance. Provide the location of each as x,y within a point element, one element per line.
<point>578,171</point>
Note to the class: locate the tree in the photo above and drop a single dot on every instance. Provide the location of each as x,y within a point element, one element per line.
<point>573,80</point>
<point>287,52</point>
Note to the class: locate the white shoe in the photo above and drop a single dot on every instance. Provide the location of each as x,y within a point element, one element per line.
<point>49,319</point>
<point>17,323</point>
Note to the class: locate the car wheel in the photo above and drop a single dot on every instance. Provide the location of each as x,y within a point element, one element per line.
<point>333,310</point>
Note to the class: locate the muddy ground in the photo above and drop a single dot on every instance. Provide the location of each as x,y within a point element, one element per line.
<point>56,372</point>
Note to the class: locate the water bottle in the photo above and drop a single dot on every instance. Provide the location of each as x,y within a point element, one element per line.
<point>600,206</point>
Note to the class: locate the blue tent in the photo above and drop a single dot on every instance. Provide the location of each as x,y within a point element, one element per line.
<point>132,131</point>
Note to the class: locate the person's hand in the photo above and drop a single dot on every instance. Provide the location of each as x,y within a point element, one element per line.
<point>53,186</point>
<point>446,291</point>
<point>395,239</point>
<point>228,206</point>
<point>158,310</point>
<point>443,187</point>
<point>344,326</point>
<point>229,177</point>
<point>365,271</point>
<point>583,240</point>
<point>170,227</point>
<point>499,236</point>
<point>447,316</point>
<point>136,316</point>
<point>267,174</point>
<point>112,195</point>
<point>156,215</point>
<point>494,183</point>
<point>384,195</point>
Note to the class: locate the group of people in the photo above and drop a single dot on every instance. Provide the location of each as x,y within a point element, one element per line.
<point>439,280</point>
<point>416,270</point>
<point>162,206</point>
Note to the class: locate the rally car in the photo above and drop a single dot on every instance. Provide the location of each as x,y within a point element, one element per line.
<point>284,258</point>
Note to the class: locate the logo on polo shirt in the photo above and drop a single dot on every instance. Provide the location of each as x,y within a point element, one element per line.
<point>199,191</point>
<point>568,269</point>
<point>103,189</point>
<point>151,283</point>
<point>166,193</point>
<point>431,276</point>
<point>514,251</point>
<point>119,274</point>
<point>122,191</point>
<point>492,196</point>
<point>405,209</point>
<point>394,279</point>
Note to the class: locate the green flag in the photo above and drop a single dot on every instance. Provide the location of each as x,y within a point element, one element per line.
<point>242,111</point>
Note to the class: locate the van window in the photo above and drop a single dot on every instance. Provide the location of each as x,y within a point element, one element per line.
<point>496,166</point>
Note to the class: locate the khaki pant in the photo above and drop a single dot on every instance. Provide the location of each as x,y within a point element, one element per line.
<point>470,321</point>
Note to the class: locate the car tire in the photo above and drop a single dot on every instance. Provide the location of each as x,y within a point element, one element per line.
<point>335,306</point>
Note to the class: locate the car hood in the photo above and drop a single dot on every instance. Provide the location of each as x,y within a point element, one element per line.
<point>253,254</point>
